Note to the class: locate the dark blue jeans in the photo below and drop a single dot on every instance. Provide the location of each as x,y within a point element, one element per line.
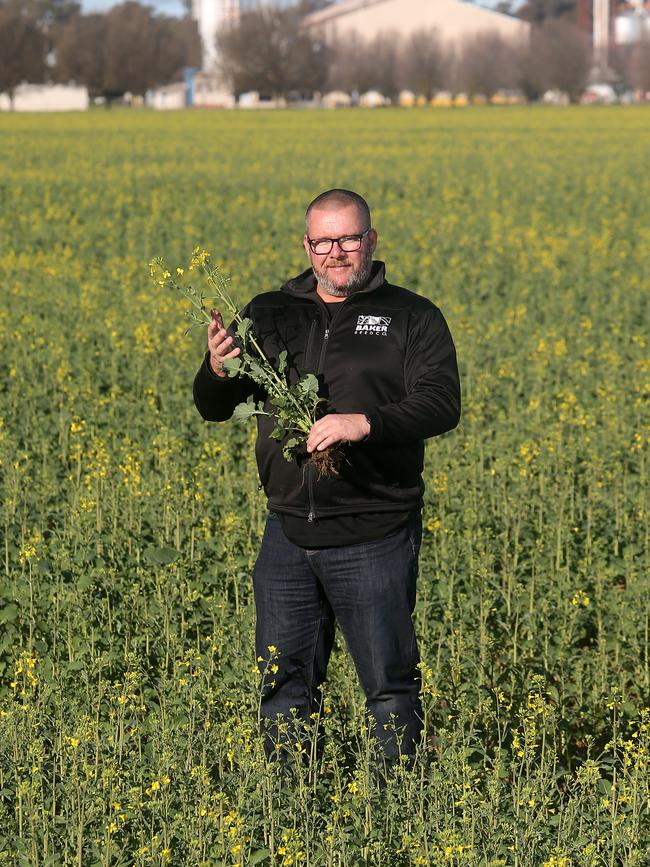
<point>369,590</point>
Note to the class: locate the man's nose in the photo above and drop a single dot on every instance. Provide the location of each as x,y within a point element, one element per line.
<point>336,250</point>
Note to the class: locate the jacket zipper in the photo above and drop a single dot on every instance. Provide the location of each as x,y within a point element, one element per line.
<point>321,357</point>
<point>311,517</point>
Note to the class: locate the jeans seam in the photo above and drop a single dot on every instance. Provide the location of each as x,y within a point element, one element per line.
<point>319,623</point>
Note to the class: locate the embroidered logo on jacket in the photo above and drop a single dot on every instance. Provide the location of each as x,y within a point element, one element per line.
<point>372,325</point>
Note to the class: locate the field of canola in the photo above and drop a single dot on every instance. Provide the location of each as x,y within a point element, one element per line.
<point>128,685</point>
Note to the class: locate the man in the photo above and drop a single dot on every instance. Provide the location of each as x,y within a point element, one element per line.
<point>343,548</point>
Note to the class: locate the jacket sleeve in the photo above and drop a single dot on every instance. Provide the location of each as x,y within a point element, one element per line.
<point>216,397</point>
<point>432,403</point>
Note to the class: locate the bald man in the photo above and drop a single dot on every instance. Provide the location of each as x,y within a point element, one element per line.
<point>343,549</point>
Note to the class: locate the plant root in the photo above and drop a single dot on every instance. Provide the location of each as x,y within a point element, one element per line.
<point>327,461</point>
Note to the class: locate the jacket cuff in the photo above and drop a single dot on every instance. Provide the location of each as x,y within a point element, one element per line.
<point>376,426</point>
<point>213,376</point>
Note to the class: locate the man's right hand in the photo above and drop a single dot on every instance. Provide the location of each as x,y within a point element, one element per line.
<point>219,343</point>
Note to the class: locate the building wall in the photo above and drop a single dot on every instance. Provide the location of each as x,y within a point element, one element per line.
<point>453,19</point>
<point>170,97</point>
<point>208,91</point>
<point>46,97</point>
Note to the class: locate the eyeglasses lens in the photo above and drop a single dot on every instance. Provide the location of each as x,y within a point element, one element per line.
<point>348,245</point>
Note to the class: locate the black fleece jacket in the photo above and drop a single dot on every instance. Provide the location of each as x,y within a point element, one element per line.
<point>386,352</point>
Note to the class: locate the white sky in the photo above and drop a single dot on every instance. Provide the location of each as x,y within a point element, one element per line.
<point>175,7</point>
<point>168,7</point>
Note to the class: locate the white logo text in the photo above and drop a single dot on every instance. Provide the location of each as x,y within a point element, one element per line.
<point>373,325</point>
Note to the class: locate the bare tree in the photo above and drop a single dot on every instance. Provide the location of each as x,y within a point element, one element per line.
<point>424,63</point>
<point>557,56</point>
<point>130,49</point>
<point>531,58</point>
<point>565,55</point>
<point>22,49</point>
<point>51,16</point>
<point>351,66</point>
<point>52,12</point>
<point>384,58</point>
<point>537,11</point>
<point>80,52</point>
<point>486,63</point>
<point>178,45</point>
<point>358,65</point>
<point>639,66</point>
<point>127,49</point>
<point>267,50</point>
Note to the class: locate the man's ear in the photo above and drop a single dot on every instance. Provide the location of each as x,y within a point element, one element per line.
<point>372,240</point>
<point>305,244</point>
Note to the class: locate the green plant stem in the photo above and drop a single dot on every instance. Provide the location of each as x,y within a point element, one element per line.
<point>281,387</point>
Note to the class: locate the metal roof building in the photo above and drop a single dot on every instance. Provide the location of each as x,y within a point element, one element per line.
<point>453,19</point>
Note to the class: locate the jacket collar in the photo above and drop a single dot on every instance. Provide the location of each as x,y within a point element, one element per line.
<point>304,285</point>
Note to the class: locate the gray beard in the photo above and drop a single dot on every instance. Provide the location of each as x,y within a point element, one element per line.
<point>357,281</point>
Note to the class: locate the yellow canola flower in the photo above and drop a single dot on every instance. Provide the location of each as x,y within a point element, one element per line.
<point>580,598</point>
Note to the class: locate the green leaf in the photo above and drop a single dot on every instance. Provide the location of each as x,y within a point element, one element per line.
<point>553,694</point>
<point>85,581</point>
<point>257,372</point>
<point>9,613</point>
<point>291,447</point>
<point>244,327</point>
<point>232,366</point>
<point>258,856</point>
<point>44,566</point>
<point>75,665</point>
<point>282,361</point>
<point>308,384</point>
<point>161,556</point>
<point>280,401</point>
<point>244,411</point>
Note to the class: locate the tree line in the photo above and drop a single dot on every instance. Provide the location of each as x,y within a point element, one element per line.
<point>127,49</point>
<point>269,51</point>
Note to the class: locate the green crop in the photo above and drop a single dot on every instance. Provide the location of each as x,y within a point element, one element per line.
<point>129,527</point>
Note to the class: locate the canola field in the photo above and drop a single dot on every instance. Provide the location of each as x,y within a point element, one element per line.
<point>129,527</point>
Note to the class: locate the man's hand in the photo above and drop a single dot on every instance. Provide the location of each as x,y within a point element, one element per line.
<point>219,343</point>
<point>336,428</point>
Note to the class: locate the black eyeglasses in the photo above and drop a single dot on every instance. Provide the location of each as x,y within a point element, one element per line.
<point>348,243</point>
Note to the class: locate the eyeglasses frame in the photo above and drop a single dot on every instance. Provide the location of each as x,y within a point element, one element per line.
<point>312,241</point>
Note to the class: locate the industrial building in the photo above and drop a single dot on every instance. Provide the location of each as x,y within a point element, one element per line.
<point>632,23</point>
<point>454,20</point>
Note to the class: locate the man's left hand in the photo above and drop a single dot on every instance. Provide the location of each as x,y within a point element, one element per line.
<point>336,428</point>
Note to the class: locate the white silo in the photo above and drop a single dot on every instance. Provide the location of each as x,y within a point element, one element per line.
<point>628,28</point>
<point>210,15</point>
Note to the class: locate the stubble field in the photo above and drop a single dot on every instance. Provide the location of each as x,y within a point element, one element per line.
<point>128,682</point>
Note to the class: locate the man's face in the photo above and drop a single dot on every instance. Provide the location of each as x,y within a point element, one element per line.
<point>340,273</point>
